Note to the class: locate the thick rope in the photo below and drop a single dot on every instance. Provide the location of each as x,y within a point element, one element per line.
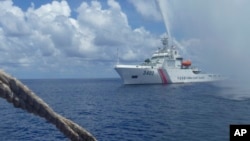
<point>22,97</point>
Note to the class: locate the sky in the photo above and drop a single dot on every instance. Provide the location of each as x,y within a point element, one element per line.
<point>81,38</point>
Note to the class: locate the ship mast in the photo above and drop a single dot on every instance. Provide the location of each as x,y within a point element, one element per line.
<point>167,48</point>
<point>165,43</point>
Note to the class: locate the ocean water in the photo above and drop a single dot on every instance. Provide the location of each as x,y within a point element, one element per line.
<point>112,111</point>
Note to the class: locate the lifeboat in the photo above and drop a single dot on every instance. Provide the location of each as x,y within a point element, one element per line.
<point>186,63</point>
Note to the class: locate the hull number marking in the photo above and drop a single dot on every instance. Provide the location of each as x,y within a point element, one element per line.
<point>147,72</point>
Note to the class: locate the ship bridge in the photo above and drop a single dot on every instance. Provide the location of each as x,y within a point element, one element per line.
<point>167,56</point>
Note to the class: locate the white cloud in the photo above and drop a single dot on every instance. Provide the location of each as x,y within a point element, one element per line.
<point>112,30</point>
<point>147,8</point>
<point>49,11</point>
<point>114,5</point>
<point>12,20</point>
<point>48,39</point>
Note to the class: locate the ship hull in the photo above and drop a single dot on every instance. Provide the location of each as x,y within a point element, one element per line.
<point>137,74</point>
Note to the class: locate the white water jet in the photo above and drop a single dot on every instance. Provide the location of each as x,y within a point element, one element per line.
<point>165,12</point>
<point>221,29</point>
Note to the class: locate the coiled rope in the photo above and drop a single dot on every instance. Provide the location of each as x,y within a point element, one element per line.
<point>22,97</point>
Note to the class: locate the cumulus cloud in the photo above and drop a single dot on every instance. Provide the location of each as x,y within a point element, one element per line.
<point>148,9</point>
<point>48,38</point>
<point>112,30</point>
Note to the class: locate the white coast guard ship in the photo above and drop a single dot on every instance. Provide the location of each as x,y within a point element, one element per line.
<point>165,66</point>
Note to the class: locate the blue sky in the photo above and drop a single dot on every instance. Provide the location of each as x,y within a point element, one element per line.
<point>79,38</point>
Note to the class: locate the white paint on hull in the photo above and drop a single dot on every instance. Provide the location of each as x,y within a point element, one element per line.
<point>137,74</point>
<point>165,66</point>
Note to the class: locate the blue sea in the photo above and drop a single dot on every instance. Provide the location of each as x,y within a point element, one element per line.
<point>112,111</point>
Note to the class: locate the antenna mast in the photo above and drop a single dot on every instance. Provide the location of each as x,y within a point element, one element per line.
<point>164,41</point>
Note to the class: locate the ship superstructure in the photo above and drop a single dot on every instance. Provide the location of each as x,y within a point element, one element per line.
<point>165,66</point>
